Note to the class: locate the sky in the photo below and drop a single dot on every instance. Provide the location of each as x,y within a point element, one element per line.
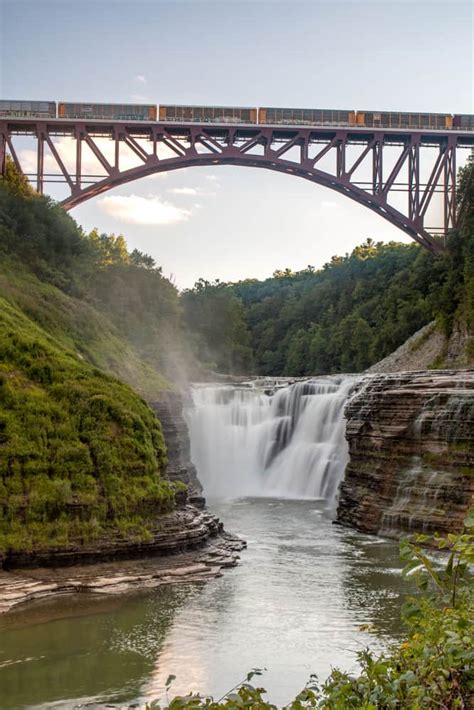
<point>234,222</point>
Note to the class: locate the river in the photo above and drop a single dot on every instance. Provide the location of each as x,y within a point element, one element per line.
<point>307,595</point>
<point>294,605</point>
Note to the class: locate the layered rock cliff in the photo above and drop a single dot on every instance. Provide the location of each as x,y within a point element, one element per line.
<point>169,410</point>
<point>183,529</point>
<point>411,446</point>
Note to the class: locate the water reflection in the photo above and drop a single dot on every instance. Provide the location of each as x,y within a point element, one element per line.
<point>295,606</point>
<point>83,647</point>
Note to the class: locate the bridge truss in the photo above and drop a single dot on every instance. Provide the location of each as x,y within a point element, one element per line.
<point>335,158</point>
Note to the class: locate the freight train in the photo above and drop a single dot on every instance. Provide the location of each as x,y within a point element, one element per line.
<point>267,116</point>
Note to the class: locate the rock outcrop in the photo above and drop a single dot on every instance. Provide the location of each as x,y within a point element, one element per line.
<point>411,446</point>
<point>186,528</point>
<point>169,411</point>
<point>21,586</point>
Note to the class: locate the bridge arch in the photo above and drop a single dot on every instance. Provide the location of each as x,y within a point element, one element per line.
<point>297,151</point>
<point>344,187</point>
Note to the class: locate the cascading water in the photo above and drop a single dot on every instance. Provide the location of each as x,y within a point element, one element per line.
<point>289,443</point>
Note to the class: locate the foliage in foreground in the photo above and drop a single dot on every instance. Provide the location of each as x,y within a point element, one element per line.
<point>433,668</point>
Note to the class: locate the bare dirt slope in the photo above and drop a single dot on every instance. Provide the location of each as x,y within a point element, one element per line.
<point>428,349</point>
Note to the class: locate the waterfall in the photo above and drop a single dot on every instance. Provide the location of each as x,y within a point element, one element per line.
<point>282,441</point>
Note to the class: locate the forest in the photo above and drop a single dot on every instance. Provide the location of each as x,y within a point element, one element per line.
<point>344,317</point>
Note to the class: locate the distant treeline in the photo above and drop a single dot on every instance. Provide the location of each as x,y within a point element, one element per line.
<point>342,318</point>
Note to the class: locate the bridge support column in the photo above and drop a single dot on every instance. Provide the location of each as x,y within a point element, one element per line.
<point>40,160</point>
<point>3,149</point>
<point>377,165</point>
<point>78,160</point>
<point>450,187</point>
<point>414,179</point>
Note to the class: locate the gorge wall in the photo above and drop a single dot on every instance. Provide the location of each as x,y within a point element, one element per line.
<point>169,410</point>
<point>411,448</point>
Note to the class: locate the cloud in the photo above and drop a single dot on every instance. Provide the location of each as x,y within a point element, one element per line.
<point>141,79</point>
<point>149,210</point>
<point>184,190</point>
<point>329,204</point>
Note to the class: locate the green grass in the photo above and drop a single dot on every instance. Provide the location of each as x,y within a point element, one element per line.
<point>78,326</point>
<point>80,452</point>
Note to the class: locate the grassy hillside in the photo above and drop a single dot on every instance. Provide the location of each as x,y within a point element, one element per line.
<point>113,306</point>
<point>81,453</point>
<point>79,326</point>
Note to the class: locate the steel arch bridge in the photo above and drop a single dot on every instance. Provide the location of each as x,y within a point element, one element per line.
<point>298,151</point>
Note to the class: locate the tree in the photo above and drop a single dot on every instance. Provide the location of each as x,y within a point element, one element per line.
<point>15,180</point>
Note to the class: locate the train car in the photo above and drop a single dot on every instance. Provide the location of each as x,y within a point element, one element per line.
<point>208,114</point>
<point>463,121</point>
<point>107,112</point>
<point>306,117</point>
<point>27,109</point>
<point>397,119</point>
